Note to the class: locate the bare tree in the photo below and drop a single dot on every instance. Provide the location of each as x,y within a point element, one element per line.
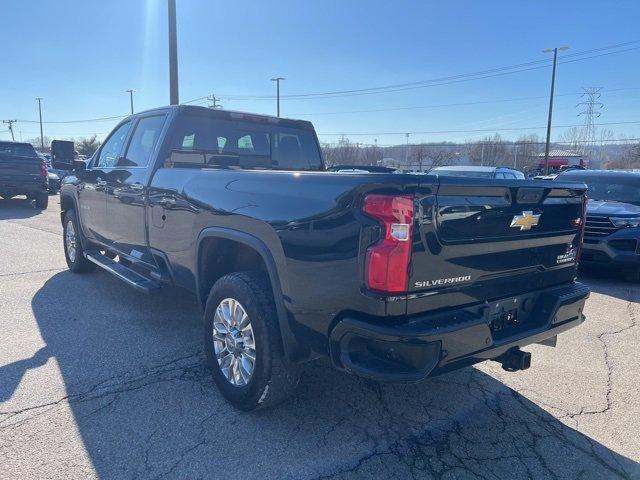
<point>371,155</point>
<point>572,138</point>
<point>491,152</point>
<point>526,149</point>
<point>37,144</point>
<point>425,157</point>
<point>344,152</point>
<point>630,158</point>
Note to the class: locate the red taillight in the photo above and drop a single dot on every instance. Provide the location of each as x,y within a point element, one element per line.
<point>583,221</point>
<point>387,263</point>
<point>43,168</point>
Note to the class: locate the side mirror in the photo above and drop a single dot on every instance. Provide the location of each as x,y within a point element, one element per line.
<point>62,154</point>
<point>79,165</point>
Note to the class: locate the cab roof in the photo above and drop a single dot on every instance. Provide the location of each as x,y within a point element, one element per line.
<point>228,115</point>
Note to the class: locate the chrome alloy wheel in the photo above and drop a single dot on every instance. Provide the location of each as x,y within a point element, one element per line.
<point>233,342</point>
<point>70,241</point>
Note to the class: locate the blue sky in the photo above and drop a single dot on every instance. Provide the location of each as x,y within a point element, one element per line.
<point>81,56</point>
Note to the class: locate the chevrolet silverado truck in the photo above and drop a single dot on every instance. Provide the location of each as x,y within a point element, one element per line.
<point>23,172</point>
<point>393,277</point>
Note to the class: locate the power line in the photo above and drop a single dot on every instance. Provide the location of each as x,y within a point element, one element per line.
<point>505,70</point>
<point>457,104</point>
<point>209,99</point>
<point>478,142</point>
<point>87,120</point>
<point>474,131</point>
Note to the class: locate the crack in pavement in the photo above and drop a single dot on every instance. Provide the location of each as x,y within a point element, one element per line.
<point>113,386</point>
<point>607,359</point>
<point>450,451</point>
<point>33,271</point>
<point>59,234</point>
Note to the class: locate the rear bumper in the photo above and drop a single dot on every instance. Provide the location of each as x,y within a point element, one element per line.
<point>23,188</point>
<point>413,349</point>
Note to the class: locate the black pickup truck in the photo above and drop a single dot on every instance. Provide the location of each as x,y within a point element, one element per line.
<point>391,276</point>
<point>23,172</point>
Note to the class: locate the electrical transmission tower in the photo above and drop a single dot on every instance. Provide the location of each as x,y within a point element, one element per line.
<point>591,106</point>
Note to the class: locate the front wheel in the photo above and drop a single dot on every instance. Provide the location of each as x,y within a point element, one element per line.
<point>242,343</point>
<point>73,252</point>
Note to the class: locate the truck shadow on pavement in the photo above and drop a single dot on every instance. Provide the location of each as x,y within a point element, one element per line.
<point>18,207</point>
<point>609,282</point>
<point>145,406</point>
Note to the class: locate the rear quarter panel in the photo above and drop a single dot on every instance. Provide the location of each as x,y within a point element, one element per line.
<point>310,222</point>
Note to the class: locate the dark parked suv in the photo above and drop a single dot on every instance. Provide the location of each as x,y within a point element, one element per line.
<point>612,232</point>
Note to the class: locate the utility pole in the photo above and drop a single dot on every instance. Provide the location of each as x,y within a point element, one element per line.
<point>277,80</point>
<point>214,101</point>
<point>553,82</point>
<point>406,151</point>
<point>10,123</point>
<point>515,155</point>
<point>482,155</point>
<point>39,99</point>
<point>131,98</point>
<point>174,98</point>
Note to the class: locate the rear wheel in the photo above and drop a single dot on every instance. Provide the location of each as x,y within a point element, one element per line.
<point>42,200</point>
<point>242,343</point>
<point>73,252</point>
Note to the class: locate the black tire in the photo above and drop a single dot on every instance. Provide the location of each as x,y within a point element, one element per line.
<point>42,200</point>
<point>79,264</point>
<point>273,378</point>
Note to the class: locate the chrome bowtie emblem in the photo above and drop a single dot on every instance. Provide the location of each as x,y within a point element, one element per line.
<point>525,220</point>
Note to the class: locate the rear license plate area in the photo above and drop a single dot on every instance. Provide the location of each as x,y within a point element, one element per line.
<point>506,317</point>
<point>502,320</point>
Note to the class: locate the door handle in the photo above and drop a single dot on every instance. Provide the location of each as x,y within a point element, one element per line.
<point>167,202</point>
<point>138,187</point>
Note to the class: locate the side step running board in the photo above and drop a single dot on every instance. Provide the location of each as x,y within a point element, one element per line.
<point>131,277</point>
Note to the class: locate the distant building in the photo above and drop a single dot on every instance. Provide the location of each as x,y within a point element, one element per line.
<point>559,158</point>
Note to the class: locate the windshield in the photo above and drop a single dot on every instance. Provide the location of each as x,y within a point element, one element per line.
<point>617,189</point>
<point>20,149</point>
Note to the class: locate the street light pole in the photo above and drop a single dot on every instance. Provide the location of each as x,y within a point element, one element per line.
<point>39,99</point>
<point>553,83</point>
<point>277,80</point>
<point>406,151</point>
<point>131,98</point>
<point>173,55</point>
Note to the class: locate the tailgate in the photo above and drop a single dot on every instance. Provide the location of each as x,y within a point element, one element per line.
<point>483,239</point>
<point>18,170</point>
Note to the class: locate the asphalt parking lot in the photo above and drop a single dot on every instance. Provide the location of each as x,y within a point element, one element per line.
<point>99,381</point>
